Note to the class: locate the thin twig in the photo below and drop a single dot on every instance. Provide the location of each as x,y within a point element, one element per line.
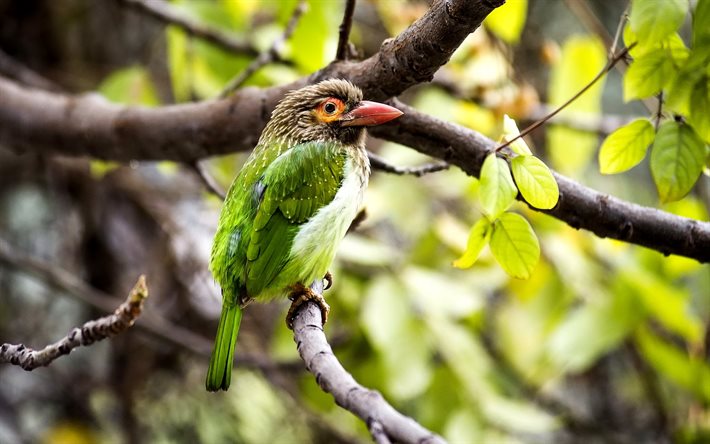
<point>92,331</point>
<point>207,179</point>
<point>169,15</point>
<point>581,9</point>
<point>14,69</point>
<point>343,51</point>
<point>271,55</point>
<point>596,78</point>
<point>156,325</point>
<point>378,163</point>
<point>332,378</point>
<point>619,32</point>
<point>377,431</point>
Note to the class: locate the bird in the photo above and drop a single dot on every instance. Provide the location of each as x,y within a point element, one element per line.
<point>290,206</point>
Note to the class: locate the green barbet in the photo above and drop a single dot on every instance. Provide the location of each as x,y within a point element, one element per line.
<point>290,206</point>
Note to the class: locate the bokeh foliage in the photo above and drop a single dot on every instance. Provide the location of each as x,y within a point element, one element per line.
<point>603,336</point>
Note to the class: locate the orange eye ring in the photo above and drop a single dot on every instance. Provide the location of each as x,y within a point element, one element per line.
<point>330,109</point>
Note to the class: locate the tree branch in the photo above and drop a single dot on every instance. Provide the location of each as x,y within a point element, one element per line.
<point>89,125</point>
<point>34,121</point>
<point>153,324</point>
<point>330,375</point>
<point>578,206</point>
<point>169,15</point>
<point>92,331</point>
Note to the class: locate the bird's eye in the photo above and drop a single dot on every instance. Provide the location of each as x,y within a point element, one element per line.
<point>330,108</point>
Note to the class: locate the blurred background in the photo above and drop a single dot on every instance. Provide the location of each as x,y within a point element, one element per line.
<point>606,342</point>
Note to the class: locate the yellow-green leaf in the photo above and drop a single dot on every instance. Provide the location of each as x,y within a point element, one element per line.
<point>700,109</point>
<point>515,245</point>
<point>510,131</point>
<point>626,147</point>
<point>507,21</point>
<point>690,373</point>
<point>677,159</point>
<point>477,239</point>
<point>648,74</point>
<point>654,20</point>
<point>497,189</point>
<point>535,182</point>
<point>582,58</point>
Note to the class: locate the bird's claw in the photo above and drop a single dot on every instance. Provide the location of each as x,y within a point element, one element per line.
<point>301,296</point>
<point>328,278</point>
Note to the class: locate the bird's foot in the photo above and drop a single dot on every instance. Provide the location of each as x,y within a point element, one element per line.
<point>328,278</point>
<point>299,296</point>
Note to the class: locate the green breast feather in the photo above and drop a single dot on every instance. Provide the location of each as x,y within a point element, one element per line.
<point>267,204</point>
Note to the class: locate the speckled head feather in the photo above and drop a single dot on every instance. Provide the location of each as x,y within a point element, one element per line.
<point>295,118</point>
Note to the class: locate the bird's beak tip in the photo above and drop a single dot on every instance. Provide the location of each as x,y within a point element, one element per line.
<point>371,113</point>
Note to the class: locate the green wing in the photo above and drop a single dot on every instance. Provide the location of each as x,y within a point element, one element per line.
<point>290,191</point>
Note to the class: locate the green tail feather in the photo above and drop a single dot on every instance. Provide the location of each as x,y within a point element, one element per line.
<point>219,374</point>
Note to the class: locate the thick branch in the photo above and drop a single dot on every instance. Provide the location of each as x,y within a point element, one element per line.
<point>417,53</point>
<point>88,125</point>
<point>92,331</point>
<point>578,206</point>
<point>330,375</point>
<point>33,121</point>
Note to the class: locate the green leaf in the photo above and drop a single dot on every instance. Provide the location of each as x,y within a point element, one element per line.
<point>478,238</point>
<point>701,23</point>
<point>514,245</point>
<point>700,108</point>
<point>626,147</point>
<point>497,189</point>
<point>535,182</point>
<point>677,158</point>
<point>648,74</point>
<point>668,304</point>
<point>592,330</point>
<point>507,21</point>
<point>654,20</point>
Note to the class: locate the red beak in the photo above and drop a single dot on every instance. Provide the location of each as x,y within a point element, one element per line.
<point>369,114</point>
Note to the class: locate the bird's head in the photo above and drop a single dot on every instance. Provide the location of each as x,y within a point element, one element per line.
<point>332,110</point>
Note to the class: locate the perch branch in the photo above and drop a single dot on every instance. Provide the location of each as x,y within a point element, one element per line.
<point>366,404</point>
<point>343,51</point>
<point>271,55</point>
<point>169,15</point>
<point>92,331</point>
<point>379,163</point>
